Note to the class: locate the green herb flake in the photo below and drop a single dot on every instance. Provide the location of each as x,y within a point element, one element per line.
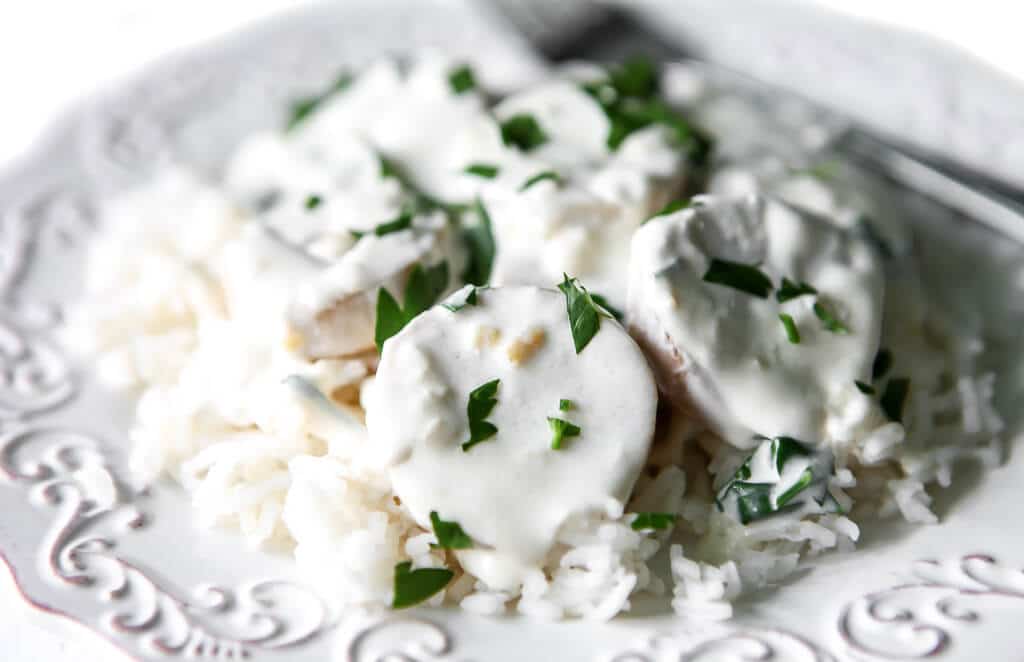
<point>549,175</point>
<point>671,208</point>
<point>482,400</point>
<point>313,201</point>
<point>637,76</point>
<point>866,389</point>
<point>743,277</point>
<point>449,534</point>
<point>422,290</point>
<point>301,109</point>
<point>784,448</point>
<point>522,132</point>
<point>754,500</point>
<point>790,290</point>
<point>565,405</point>
<point>894,397</point>
<point>584,313</point>
<point>483,170</point>
<point>560,430</point>
<point>403,222</point>
<point>612,310</point>
<point>414,586</point>
<point>480,245</point>
<point>648,521</point>
<point>829,322</point>
<point>882,363</point>
<point>461,79</point>
<point>799,486</point>
<point>792,333</point>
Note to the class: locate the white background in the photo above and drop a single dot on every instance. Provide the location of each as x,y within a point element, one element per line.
<point>53,52</point>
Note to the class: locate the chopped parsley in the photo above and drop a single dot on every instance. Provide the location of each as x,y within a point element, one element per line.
<point>484,170</point>
<point>883,361</point>
<point>894,397</point>
<point>422,290</point>
<point>647,521</point>
<point>792,333</point>
<point>469,300</point>
<point>790,290</point>
<point>561,429</point>
<point>522,132</point>
<point>829,322</point>
<point>540,177</point>
<point>630,100</point>
<point>565,405</point>
<point>449,534</point>
<point>671,208</point>
<point>603,302</point>
<point>461,79</point>
<point>414,586</point>
<point>302,108</point>
<point>479,241</point>
<point>584,313</point>
<point>403,222</point>
<point>313,201</point>
<point>743,277</point>
<point>749,500</point>
<point>481,401</point>
<point>863,387</point>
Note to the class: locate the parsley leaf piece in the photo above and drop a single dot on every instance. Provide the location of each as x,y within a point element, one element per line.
<point>603,302</point>
<point>790,290</point>
<point>560,429</point>
<point>584,313</point>
<point>302,108</point>
<point>541,176</point>
<point>753,500</point>
<point>784,448</point>
<point>422,290</point>
<point>565,405</point>
<point>671,208</point>
<point>469,300</point>
<point>882,363</point>
<point>659,521</point>
<point>479,240</point>
<point>414,586</point>
<point>313,201</point>
<point>461,79</point>
<point>523,132</point>
<point>829,321</point>
<point>424,287</point>
<point>449,534</point>
<point>420,201</point>
<point>481,401</point>
<point>866,389</point>
<point>743,277</point>
<point>484,170</point>
<point>635,77</point>
<point>799,486</point>
<point>792,333</point>
<point>894,397</point>
<point>390,318</point>
<point>403,222</point>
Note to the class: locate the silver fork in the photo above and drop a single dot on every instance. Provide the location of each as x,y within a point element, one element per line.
<point>561,29</point>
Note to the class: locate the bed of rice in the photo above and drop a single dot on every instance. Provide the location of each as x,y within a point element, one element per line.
<point>214,416</point>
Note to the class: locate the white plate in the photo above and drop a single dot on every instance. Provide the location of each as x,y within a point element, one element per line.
<point>134,569</point>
